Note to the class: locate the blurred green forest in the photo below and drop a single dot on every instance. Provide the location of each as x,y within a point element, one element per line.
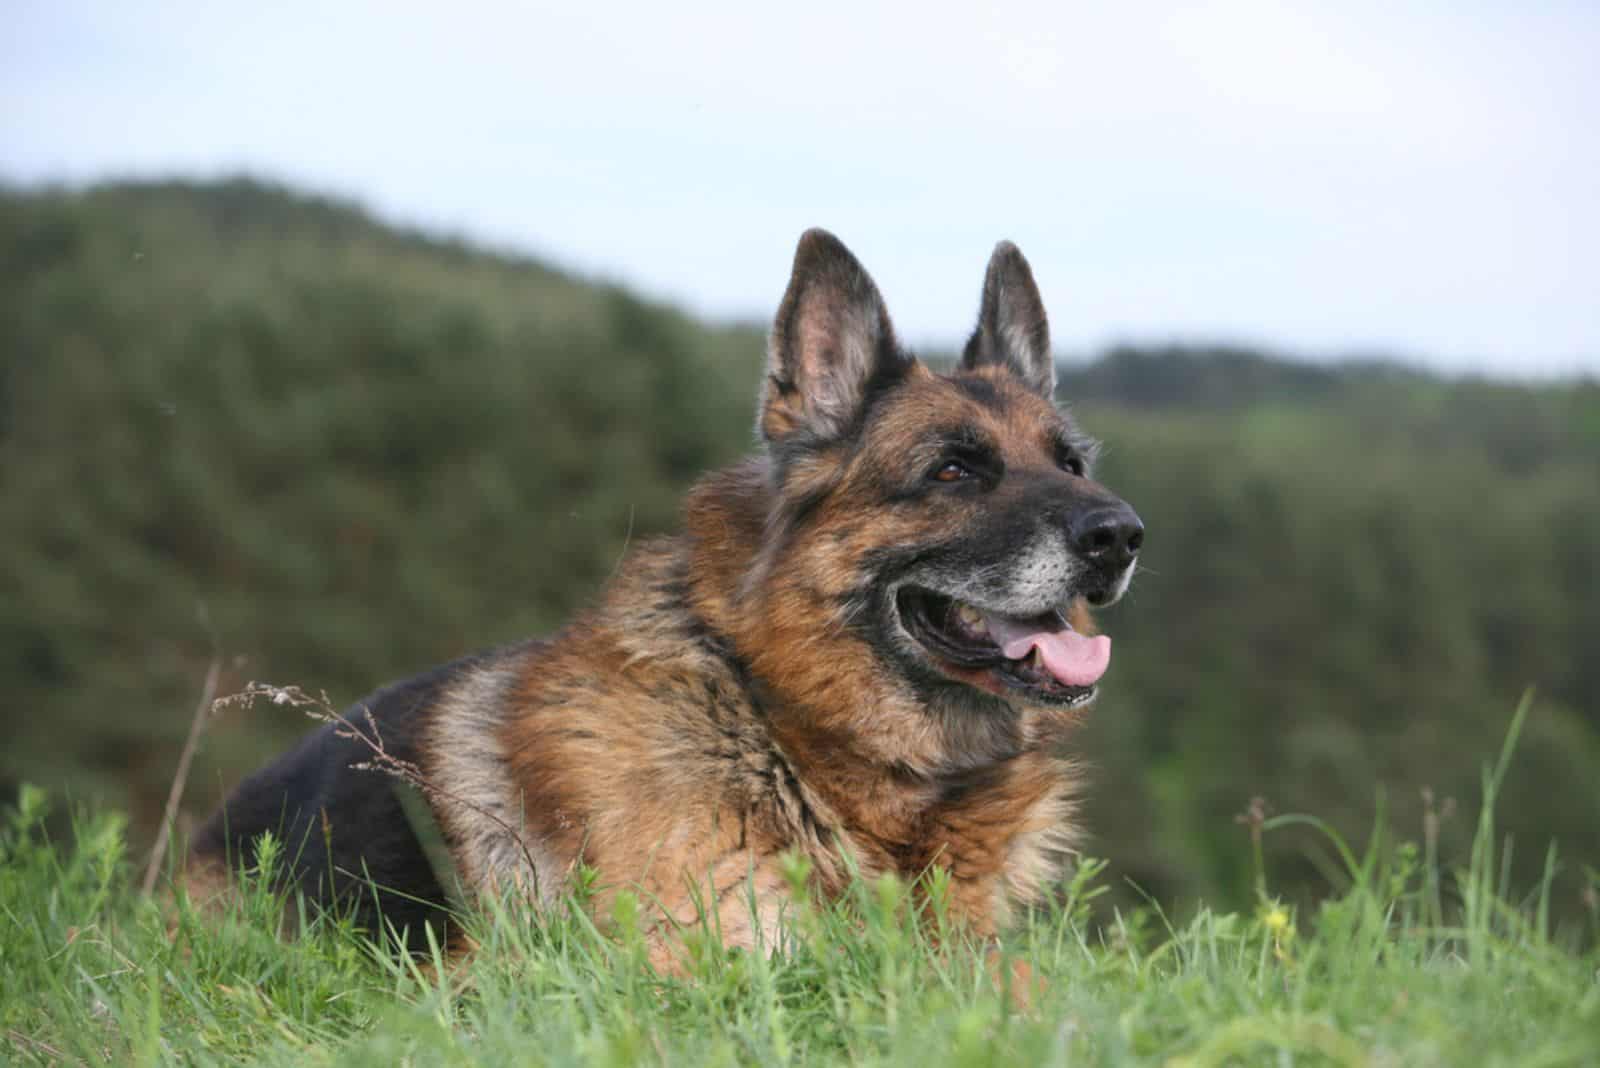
<point>240,421</point>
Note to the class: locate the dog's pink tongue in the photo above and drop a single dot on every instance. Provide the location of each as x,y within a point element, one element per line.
<point>1073,659</point>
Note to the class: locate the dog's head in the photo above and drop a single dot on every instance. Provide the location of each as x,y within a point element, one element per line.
<point>952,519</point>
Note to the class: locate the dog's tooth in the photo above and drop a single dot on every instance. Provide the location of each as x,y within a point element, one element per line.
<point>1036,661</point>
<point>971,618</point>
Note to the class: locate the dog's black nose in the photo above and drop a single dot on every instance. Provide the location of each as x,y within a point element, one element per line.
<point>1111,535</point>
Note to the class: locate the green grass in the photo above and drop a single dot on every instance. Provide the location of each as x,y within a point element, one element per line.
<point>1410,963</point>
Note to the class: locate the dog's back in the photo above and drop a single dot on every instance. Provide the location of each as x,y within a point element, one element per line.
<point>349,838</point>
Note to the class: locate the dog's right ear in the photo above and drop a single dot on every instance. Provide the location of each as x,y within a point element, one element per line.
<point>832,344</point>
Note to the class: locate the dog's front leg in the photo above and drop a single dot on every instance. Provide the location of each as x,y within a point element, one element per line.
<point>739,904</point>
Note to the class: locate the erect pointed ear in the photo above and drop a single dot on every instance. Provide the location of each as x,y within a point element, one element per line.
<point>831,346</point>
<point>1012,329</point>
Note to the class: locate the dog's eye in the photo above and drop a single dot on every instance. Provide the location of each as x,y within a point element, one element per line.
<point>1069,460</point>
<point>951,471</point>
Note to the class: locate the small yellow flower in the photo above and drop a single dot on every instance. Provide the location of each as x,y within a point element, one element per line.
<point>1280,926</point>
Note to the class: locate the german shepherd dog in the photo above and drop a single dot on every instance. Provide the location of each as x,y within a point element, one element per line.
<point>866,648</point>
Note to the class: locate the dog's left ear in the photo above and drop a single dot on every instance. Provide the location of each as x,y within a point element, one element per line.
<point>1012,330</point>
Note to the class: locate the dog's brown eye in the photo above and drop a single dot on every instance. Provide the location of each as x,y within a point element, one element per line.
<point>951,472</point>
<point>1070,461</point>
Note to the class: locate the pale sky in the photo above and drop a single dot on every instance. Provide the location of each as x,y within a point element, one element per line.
<point>1420,180</point>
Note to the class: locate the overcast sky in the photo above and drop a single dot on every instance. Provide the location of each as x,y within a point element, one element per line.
<point>1420,180</point>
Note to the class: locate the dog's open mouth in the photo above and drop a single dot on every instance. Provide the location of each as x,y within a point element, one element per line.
<point>1042,655</point>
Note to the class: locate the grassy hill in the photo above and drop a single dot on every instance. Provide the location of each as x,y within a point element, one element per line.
<point>240,422</point>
